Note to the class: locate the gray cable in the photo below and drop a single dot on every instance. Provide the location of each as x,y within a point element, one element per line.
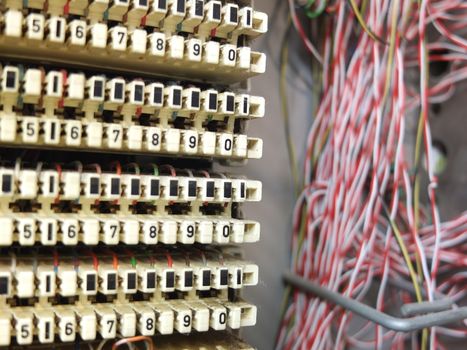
<point>426,307</point>
<point>371,314</point>
<point>408,286</point>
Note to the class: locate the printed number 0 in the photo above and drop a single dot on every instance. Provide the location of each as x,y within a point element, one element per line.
<point>222,318</point>
<point>226,231</point>
<point>228,144</point>
<point>231,55</point>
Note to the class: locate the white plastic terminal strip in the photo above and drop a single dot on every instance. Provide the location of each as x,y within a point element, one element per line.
<point>130,99</point>
<point>226,20</point>
<point>97,40</point>
<point>31,86</point>
<point>71,229</point>
<point>41,276</point>
<point>46,132</point>
<point>25,184</point>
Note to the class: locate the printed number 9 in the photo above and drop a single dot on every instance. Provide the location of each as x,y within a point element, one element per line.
<point>186,321</point>
<point>191,231</point>
<point>192,141</point>
<point>196,49</point>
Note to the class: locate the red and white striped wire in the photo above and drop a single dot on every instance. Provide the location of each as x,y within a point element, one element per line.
<point>359,162</point>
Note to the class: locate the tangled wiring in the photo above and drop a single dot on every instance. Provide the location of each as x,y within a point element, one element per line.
<point>360,227</point>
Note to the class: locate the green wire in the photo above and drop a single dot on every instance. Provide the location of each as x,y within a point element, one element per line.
<point>313,14</point>
<point>156,169</point>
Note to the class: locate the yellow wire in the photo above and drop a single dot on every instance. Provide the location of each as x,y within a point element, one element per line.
<point>364,6</point>
<point>413,274</point>
<point>302,230</point>
<point>360,20</point>
<point>389,70</point>
<point>392,48</point>
<point>406,256</point>
<point>418,146</point>
<point>285,114</point>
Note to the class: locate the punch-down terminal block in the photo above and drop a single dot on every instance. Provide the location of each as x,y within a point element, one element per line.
<point>122,245</point>
<point>126,206</point>
<point>110,292</point>
<point>191,39</point>
<point>60,109</point>
<point>197,341</point>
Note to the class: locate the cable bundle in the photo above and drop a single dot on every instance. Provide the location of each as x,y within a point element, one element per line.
<point>359,227</point>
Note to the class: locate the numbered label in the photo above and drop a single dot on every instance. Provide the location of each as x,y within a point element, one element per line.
<point>157,44</point>
<point>187,232</point>
<point>119,37</point>
<point>154,139</point>
<point>111,230</point>
<point>184,321</point>
<point>229,55</point>
<point>24,332</point>
<point>190,145</point>
<point>30,127</point>
<point>226,144</point>
<point>114,136</point>
<point>77,32</point>
<point>222,232</point>
<point>73,131</point>
<point>26,231</point>
<point>219,319</point>
<point>147,323</point>
<point>67,329</point>
<point>194,50</point>
<point>150,232</point>
<point>35,26</point>
<point>70,229</point>
<point>108,326</point>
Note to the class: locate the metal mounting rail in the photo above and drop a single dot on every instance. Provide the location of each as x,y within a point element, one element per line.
<point>390,322</point>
